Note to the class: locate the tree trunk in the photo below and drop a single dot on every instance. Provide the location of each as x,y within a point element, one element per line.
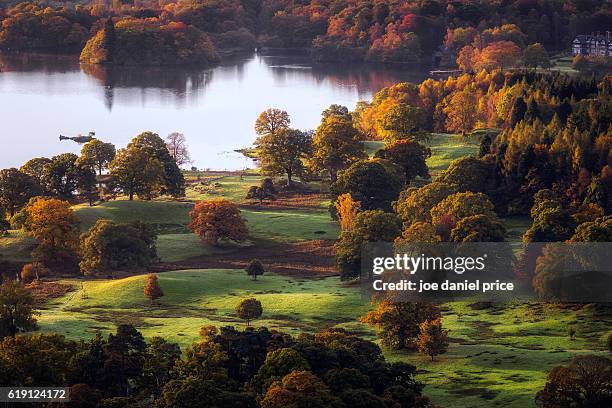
<point>131,196</point>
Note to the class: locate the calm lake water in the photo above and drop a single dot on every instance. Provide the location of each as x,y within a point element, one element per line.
<point>43,96</point>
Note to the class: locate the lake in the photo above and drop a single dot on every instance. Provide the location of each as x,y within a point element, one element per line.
<point>44,96</point>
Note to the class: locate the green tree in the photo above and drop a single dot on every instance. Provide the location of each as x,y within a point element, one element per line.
<point>336,145</point>
<point>410,155</point>
<point>35,169</point>
<point>374,183</point>
<point>519,109</point>
<point>255,268</point>
<point>86,184</point>
<point>16,188</point>
<point>551,225</point>
<point>299,389</point>
<point>401,121</point>
<point>249,309</point>
<point>599,230</point>
<point>60,175</point>
<point>109,247</point>
<point>16,309</point>
<point>97,155</point>
<point>160,363</point>
<point>202,392</point>
<point>369,226</point>
<point>535,55</point>
<point>125,358</point>
<point>468,174</point>
<point>137,171</point>
<point>173,179</point>
<point>415,204</point>
<point>265,191</point>
<point>278,364</point>
<point>478,228</point>
<point>283,152</point>
<point>433,339</point>
<point>109,40</point>
<point>462,205</point>
<point>485,146</point>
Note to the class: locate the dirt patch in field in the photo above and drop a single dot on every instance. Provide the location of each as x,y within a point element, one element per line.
<point>43,291</point>
<point>302,259</point>
<point>288,201</point>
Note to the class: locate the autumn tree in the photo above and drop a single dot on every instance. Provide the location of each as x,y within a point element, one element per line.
<point>249,309</point>
<point>283,152</point>
<point>498,54</point>
<point>137,172</point>
<point>255,268</point>
<point>152,290</point>
<point>55,227</point>
<point>97,154</point>
<point>110,246</point>
<point>368,226</point>
<point>16,188</point>
<point>347,210</point>
<point>398,323</point>
<point>16,309</point>
<point>178,149</point>
<point>299,388</point>
<point>461,112</point>
<point>410,155</point>
<point>399,121</point>
<point>217,220</point>
<point>585,382</point>
<point>433,339</point>
<point>33,271</point>
<point>374,183</point>
<point>271,121</point>
<point>336,145</point>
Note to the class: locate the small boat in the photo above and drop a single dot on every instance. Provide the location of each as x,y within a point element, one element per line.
<point>80,139</point>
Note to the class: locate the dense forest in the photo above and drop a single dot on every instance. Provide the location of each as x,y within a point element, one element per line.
<point>338,30</point>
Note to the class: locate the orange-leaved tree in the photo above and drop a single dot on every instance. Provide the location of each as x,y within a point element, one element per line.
<point>347,210</point>
<point>152,290</point>
<point>433,339</point>
<point>218,220</point>
<point>56,228</point>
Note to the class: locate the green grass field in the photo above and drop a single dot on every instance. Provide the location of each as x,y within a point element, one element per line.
<point>497,357</point>
<point>194,298</point>
<point>444,149</point>
<point>16,247</point>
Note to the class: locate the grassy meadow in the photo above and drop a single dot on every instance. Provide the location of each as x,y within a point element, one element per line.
<point>497,357</point>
